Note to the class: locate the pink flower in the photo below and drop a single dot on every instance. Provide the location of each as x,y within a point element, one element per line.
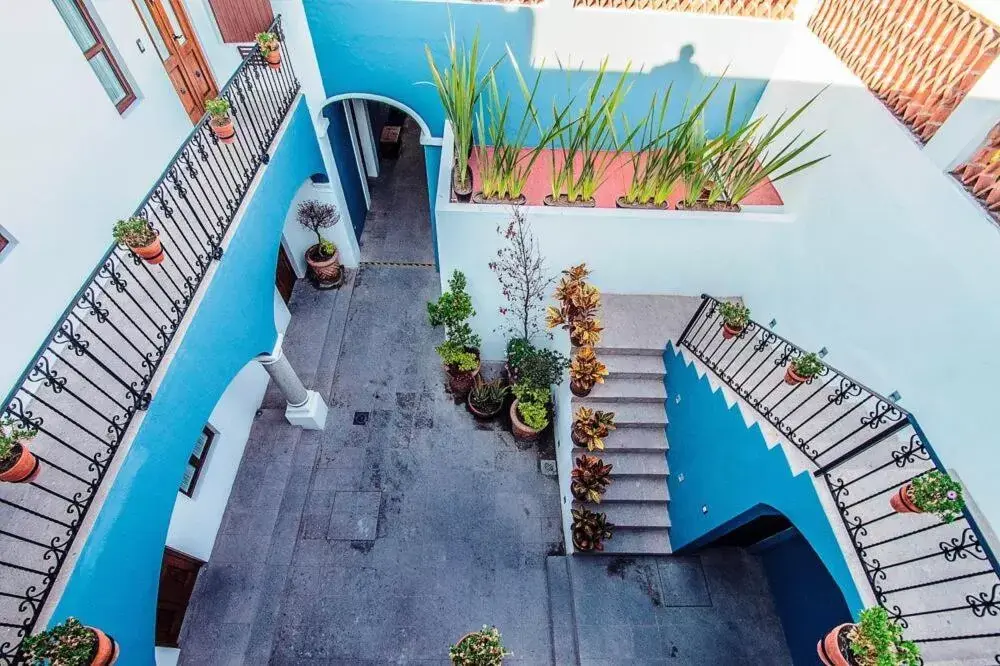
<point>952,495</point>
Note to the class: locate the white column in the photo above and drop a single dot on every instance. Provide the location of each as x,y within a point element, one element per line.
<point>306,408</point>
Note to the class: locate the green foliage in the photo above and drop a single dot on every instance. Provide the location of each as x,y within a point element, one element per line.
<point>877,640</point>
<point>267,41</point>
<point>456,357</point>
<point>483,648</point>
<point>808,366</point>
<point>488,397</point>
<point>11,433</point>
<point>534,415</point>
<point>133,232</point>
<point>66,644</point>
<point>218,108</point>
<point>734,314</point>
<point>517,350</point>
<point>327,248</point>
<point>590,530</point>
<point>535,367</point>
<point>453,310</point>
<point>936,492</point>
<point>459,87</point>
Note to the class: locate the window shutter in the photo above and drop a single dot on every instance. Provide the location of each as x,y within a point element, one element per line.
<point>241,20</point>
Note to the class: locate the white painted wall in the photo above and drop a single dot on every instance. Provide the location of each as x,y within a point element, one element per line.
<point>297,239</point>
<point>167,656</point>
<point>73,164</point>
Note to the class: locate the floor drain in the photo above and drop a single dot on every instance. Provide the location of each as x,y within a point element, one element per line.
<point>360,418</point>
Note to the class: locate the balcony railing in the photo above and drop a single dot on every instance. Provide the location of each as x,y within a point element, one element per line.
<point>93,373</point>
<point>769,9</point>
<point>940,580</point>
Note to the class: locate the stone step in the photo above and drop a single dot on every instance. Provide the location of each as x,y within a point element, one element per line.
<point>637,415</point>
<point>630,463</point>
<point>634,366</point>
<point>638,489</point>
<point>632,514</point>
<point>625,390</point>
<point>562,620</point>
<point>627,438</point>
<point>637,541</point>
<point>625,350</point>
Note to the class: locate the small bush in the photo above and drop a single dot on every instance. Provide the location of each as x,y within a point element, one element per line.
<point>534,415</point>
<point>735,315</point>
<point>218,108</point>
<point>877,640</point>
<point>483,648</point>
<point>66,644</point>
<point>935,492</point>
<point>808,366</point>
<point>133,232</point>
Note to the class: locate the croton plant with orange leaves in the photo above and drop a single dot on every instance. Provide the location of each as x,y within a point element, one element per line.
<point>578,306</point>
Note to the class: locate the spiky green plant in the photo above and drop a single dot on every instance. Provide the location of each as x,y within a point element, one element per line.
<point>459,86</point>
<point>488,396</point>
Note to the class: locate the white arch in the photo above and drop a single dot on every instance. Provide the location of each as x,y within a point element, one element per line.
<point>426,138</point>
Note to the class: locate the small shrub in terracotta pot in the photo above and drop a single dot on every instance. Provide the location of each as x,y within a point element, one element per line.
<point>590,530</point>
<point>460,350</point>
<point>802,369</point>
<point>486,399</point>
<point>585,371</point>
<point>735,317</point>
<point>933,492</point>
<point>579,303</point>
<point>590,478</point>
<point>478,648</point>
<point>17,463</point>
<point>591,427</point>
<point>876,640</point>
<point>529,414</point>
<point>270,49</point>
<point>136,234</point>
<point>322,258</point>
<point>70,644</point>
<point>220,121</point>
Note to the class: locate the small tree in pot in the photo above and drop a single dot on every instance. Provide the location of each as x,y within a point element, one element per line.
<point>802,369</point>
<point>17,463</point>
<point>876,640</point>
<point>478,648</point>
<point>585,370</point>
<point>460,350</point>
<point>735,317</point>
<point>591,478</point>
<point>137,234</point>
<point>323,258</point>
<point>70,644</point>
<point>932,492</point>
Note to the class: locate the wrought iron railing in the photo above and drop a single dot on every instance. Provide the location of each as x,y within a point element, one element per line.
<point>940,580</point>
<point>93,373</point>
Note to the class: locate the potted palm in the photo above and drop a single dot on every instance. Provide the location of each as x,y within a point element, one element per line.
<point>590,478</point>
<point>486,398</point>
<point>932,492</point>
<point>735,317</point>
<point>323,259</point>
<point>17,463</point>
<point>590,530</point>
<point>585,370</point>
<point>137,234</point>
<point>876,640</point>
<point>267,42</point>
<point>70,644</point>
<point>803,369</point>
<point>591,427</point>
<point>460,350</point>
<point>220,122</point>
<point>478,648</point>
<point>529,413</point>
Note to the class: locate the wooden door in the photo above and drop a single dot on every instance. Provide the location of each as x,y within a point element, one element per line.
<point>285,278</point>
<point>182,57</point>
<point>177,577</point>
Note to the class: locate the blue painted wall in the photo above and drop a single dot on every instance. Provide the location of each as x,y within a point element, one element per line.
<point>114,584</point>
<point>729,468</point>
<point>347,165</point>
<point>432,163</point>
<point>806,597</point>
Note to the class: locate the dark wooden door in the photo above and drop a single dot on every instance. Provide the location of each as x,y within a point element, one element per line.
<point>177,577</point>
<point>285,277</point>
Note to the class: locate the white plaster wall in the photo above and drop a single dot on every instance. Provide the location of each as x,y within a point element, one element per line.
<point>223,58</point>
<point>297,239</point>
<point>167,656</point>
<point>73,164</point>
<point>892,266</point>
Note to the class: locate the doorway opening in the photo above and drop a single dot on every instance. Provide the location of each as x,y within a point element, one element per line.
<point>381,164</point>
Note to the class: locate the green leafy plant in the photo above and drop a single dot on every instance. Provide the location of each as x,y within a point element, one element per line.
<point>541,368</point>
<point>12,433</point>
<point>877,640</point>
<point>453,310</point>
<point>734,314</point>
<point>517,350</point>
<point>936,492</point>
<point>133,232</point>
<point>590,530</point>
<point>525,392</point>
<point>218,108</point>
<point>315,216</point>
<point>327,248</point>
<point>457,357</point>
<point>66,644</point>
<point>590,478</point>
<point>488,396</point>
<point>533,414</point>
<point>808,366</point>
<point>459,86</point>
<point>482,648</point>
<point>703,187</point>
<point>267,41</point>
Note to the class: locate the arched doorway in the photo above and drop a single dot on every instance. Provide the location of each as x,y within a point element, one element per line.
<point>378,146</point>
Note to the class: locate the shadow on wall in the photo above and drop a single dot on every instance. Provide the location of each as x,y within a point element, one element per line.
<point>378,47</point>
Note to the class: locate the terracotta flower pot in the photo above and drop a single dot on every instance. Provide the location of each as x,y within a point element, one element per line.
<point>25,468</point>
<point>575,340</point>
<point>518,427</point>
<point>326,270</point>
<point>729,332</point>
<point>580,390</point>
<point>793,378</point>
<point>481,416</point>
<point>152,253</point>
<point>577,438</point>
<point>273,57</point>
<point>106,651</point>
<point>224,129</point>
<point>902,500</point>
<point>461,383</point>
<point>578,491</point>
<point>834,649</point>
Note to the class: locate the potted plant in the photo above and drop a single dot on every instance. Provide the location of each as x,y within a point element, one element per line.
<point>803,369</point>
<point>523,277</point>
<point>322,258</point>
<point>486,398</point>
<point>267,42</point>
<point>478,648</point>
<point>590,530</point>
<point>735,317</point>
<point>220,122</point>
<point>585,370</point>
<point>136,234</point>
<point>70,644</point>
<point>591,478</point>
<point>932,492</point>
<point>578,306</point>
<point>529,413</point>
<point>460,350</point>
<point>17,463</point>
<point>590,427</point>
<point>537,367</point>
<point>876,640</point>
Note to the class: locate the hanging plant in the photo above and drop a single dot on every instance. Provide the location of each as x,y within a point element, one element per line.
<point>70,644</point>
<point>876,640</point>
<point>220,122</point>
<point>17,463</point>
<point>804,368</point>
<point>735,317</point>
<point>137,234</point>
<point>270,49</point>
<point>933,492</point>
